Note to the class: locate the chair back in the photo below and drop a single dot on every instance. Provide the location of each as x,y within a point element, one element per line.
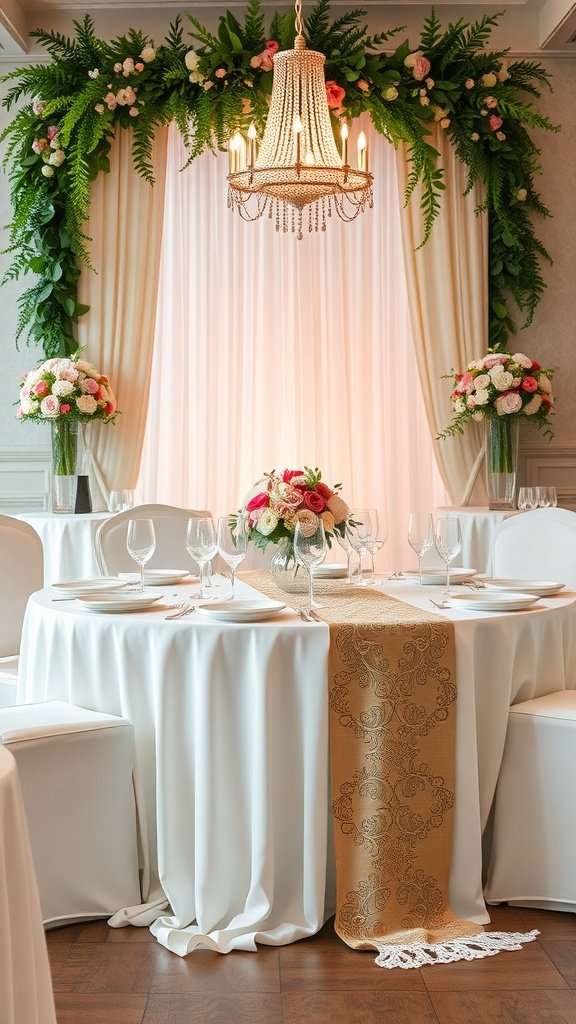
<point>170,526</point>
<point>540,544</point>
<point>21,573</point>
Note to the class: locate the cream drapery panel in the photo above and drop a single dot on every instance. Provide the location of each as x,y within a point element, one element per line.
<point>447,283</point>
<point>125,227</point>
<point>272,352</point>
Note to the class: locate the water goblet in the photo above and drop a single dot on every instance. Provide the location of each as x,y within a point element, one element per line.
<point>448,540</point>
<point>552,497</point>
<point>420,535</point>
<point>232,541</point>
<point>361,530</point>
<point>202,545</point>
<point>310,551</point>
<point>120,501</point>
<point>141,543</point>
<point>527,499</point>
<point>344,543</point>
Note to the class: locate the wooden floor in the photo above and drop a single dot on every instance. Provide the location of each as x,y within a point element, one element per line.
<point>123,976</point>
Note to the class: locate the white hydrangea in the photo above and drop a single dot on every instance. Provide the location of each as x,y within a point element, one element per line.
<point>61,388</point>
<point>481,396</point>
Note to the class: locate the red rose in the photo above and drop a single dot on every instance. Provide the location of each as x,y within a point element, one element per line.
<point>289,474</point>
<point>529,384</point>
<point>535,365</point>
<point>314,501</point>
<point>108,409</point>
<point>324,491</point>
<point>258,501</point>
<point>65,407</point>
<point>272,46</point>
<point>334,94</point>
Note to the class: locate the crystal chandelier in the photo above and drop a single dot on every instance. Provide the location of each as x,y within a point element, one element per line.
<point>298,165</point>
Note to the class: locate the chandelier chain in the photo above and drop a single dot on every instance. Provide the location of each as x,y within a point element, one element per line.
<point>298,22</point>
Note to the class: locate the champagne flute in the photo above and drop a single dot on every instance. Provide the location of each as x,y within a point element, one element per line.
<point>420,535</point>
<point>310,551</point>
<point>202,546</point>
<point>361,530</point>
<point>379,538</point>
<point>448,540</point>
<point>232,542</point>
<point>141,543</point>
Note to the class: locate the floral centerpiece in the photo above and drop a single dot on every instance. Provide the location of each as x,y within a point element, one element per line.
<point>500,389</point>
<point>65,393</point>
<point>280,500</point>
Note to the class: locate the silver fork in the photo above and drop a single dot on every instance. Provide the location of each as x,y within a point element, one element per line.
<point>182,609</point>
<point>444,603</point>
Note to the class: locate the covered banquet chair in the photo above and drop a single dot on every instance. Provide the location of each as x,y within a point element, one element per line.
<point>22,572</point>
<point>75,770</point>
<point>170,526</point>
<point>532,859</point>
<point>537,545</point>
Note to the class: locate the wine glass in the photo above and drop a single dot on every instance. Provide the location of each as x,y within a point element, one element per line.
<point>310,551</point>
<point>232,541</point>
<point>361,530</point>
<point>202,545</point>
<point>379,538</point>
<point>420,535</point>
<point>349,550</point>
<point>448,540</point>
<point>141,543</point>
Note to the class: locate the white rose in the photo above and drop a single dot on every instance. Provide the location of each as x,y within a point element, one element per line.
<point>29,406</point>
<point>501,379</point>
<point>48,171</point>
<point>191,60</point>
<point>57,157</point>
<point>545,384</point>
<point>459,405</point>
<point>148,54</point>
<point>476,364</point>
<point>267,522</point>
<point>62,388</point>
<point>489,80</point>
<point>533,405</point>
<point>507,404</point>
<point>522,360</point>
<point>482,397</point>
<point>481,381</point>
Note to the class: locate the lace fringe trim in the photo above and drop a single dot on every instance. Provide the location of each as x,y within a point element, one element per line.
<point>473,947</point>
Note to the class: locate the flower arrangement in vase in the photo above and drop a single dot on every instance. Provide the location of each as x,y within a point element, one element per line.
<point>278,502</point>
<point>65,393</point>
<point>501,389</point>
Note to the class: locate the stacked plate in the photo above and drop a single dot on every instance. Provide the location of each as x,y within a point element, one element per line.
<point>110,603</point>
<point>437,577</point>
<point>331,571</point>
<point>84,588</point>
<point>494,601</point>
<point>240,611</point>
<point>155,577</point>
<point>541,588</point>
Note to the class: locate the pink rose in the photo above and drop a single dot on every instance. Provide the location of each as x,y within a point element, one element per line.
<point>421,68</point>
<point>529,384</point>
<point>89,386</point>
<point>64,408</point>
<point>495,122</point>
<point>267,62</point>
<point>272,46</point>
<point>334,94</point>
<point>40,389</point>
<point>491,102</point>
<point>52,132</point>
<point>50,406</point>
<point>507,403</point>
<point>258,501</point>
<point>490,361</point>
<point>314,501</point>
<point>139,67</point>
<point>292,496</point>
<point>39,145</point>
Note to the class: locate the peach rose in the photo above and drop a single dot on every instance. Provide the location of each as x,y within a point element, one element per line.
<point>308,521</point>
<point>421,68</point>
<point>334,94</point>
<point>495,122</point>
<point>338,508</point>
<point>328,520</point>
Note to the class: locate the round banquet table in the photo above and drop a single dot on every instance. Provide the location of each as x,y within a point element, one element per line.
<point>25,982</point>
<point>68,543</point>
<point>478,526</point>
<point>231,768</point>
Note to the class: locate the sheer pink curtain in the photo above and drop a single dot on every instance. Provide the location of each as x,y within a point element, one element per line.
<point>271,352</point>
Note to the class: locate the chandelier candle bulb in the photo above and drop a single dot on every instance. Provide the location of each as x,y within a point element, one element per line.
<point>362,153</point>
<point>251,145</point>
<point>297,134</point>
<point>309,158</point>
<point>344,137</point>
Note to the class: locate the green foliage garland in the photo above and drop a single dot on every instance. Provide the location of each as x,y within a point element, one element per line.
<point>60,141</point>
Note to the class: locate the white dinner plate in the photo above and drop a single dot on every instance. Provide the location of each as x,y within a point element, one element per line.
<point>117,602</point>
<point>82,588</point>
<point>542,588</point>
<point>501,601</point>
<point>240,611</point>
<point>331,571</point>
<point>435,577</point>
<point>155,577</point>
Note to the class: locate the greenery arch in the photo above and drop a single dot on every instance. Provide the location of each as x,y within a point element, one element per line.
<point>60,141</point>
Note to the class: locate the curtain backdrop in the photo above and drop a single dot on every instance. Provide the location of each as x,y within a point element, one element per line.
<point>271,352</point>
<point>447,282</point>
<point>125,228</point>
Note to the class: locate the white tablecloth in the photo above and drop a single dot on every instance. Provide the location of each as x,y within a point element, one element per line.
<point>25,982</point>
<point>232,747</point>
<point>478,526</point>
<point>68,543</point>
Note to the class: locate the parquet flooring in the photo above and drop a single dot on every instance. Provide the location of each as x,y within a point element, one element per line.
<point>123,976</point>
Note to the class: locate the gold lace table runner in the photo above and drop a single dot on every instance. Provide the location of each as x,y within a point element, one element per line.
<point>392,694</point>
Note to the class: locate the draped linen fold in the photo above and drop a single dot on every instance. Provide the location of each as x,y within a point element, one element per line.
<point>447,283</point>
<point>125,230</point>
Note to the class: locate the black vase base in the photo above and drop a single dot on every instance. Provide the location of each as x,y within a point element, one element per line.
<point>83,499</point>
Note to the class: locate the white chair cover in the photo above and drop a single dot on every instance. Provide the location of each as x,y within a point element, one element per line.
<point>75,769</point>
<point>537,545</point>
<point>22,572</point>
<point>170,526</point>
<point>533,852</point>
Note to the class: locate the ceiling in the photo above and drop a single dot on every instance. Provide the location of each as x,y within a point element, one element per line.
<point>530,27</point>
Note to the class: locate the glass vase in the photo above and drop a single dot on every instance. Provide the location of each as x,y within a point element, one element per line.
<point>64,465</point>
<point>501,461</point>
<point>287,574</point>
